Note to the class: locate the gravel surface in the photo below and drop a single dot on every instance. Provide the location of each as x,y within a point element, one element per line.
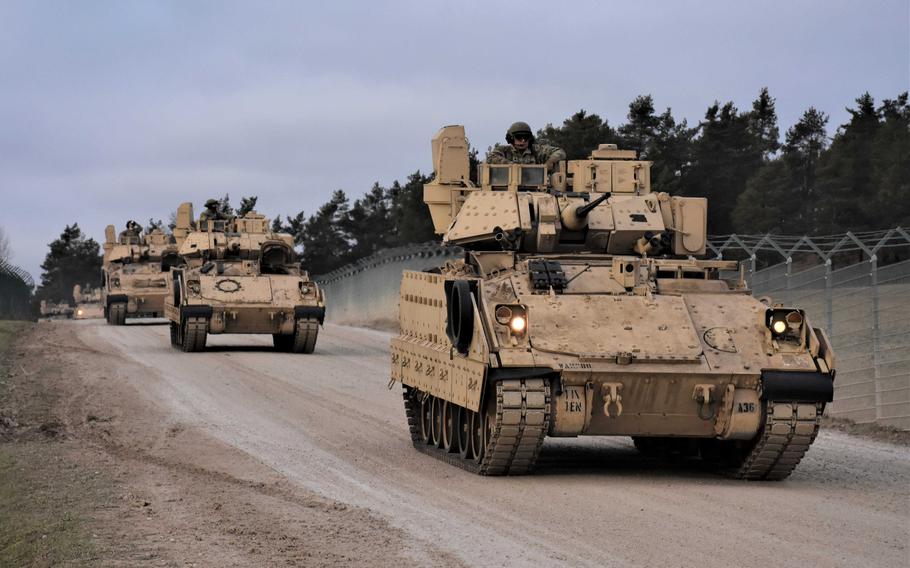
<point>328,424</point>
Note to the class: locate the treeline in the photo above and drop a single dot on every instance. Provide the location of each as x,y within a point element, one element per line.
<point>808,182</point>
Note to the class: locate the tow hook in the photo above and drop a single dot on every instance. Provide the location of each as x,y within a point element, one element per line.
<point>611,395</point>
<point>702,395</point>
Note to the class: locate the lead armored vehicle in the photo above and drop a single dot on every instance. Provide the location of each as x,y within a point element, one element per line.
<point>239,277</point>
<point>134,272</point>
<point>584,306</point>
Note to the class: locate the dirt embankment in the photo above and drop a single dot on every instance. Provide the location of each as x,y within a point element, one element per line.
<point>91,475</point>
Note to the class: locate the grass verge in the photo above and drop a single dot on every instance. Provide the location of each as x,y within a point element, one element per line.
<point>42,494</point>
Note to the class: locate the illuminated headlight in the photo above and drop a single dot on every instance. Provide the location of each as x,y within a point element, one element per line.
<point>783,321</point>
<point>79,312</point>
<point>516,317</point>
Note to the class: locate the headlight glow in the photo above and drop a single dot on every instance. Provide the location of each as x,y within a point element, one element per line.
<point>518,324</point>
<point>779,326</point>
<point>79,312</point>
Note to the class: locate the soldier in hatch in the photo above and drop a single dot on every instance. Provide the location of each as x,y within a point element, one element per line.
<point>132,231</point>
<point>522,149</point>
<point>212,212</point>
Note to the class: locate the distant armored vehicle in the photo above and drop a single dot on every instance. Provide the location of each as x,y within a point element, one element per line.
<point>134,273</point>
<point>55,310</point>
<point>88,302</point>
<point>582,308</point>
<point>240,277</point>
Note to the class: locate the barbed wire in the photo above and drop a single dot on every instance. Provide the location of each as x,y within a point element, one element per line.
<point>824,246</point>
<point>17,272</point>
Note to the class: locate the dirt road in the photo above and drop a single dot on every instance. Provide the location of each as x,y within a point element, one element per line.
<point>327,423</point>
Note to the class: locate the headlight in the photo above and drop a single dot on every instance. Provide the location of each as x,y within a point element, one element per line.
<point>304,289</point>
<point>115,282</point>
<point>514,316</point>
<point>78,312</point>
<point>193,286</point>
<point>784,322</point>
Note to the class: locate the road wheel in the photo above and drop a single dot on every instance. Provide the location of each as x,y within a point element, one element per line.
<point>426,419</point>
<point>195,331</point>
<point>464,433</point>
<point>436,423</point>
<point>477,437</point>
<point>305,332</point>
<point>450,417</point>
<point>116,313</point>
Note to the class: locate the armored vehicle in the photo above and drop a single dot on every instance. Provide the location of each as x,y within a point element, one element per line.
<point>584,306</point>
<point>134,272</point>
<point>88,302</point>
<point>239,277</point>
<point>55,310</point>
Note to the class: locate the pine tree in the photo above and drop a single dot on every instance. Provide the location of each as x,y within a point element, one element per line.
<point>369,223</point>
<point>724,157</point>
<point>846,192</point>
<point>763,124</point>
<point>247,204</point>
<point>670,152</point>
<point>410,215</point>
<point>326,246</point>
<point>579,135</point>
<point>639,132</point>
<point>72,259</point>
<point>890,206</point>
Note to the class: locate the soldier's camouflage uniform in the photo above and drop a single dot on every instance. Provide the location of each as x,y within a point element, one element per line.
<point>534,154</point>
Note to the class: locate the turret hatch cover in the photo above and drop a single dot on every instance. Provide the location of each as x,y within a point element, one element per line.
<point>656,329</point>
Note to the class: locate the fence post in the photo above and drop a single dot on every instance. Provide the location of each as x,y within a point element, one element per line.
<point>752,271</point>
<point>829,307</point>
<point>876,337</point>
<point>788,295</point>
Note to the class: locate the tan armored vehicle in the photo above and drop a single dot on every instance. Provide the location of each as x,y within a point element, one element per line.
<point>240,278</point>
<point>134,272</point>
<point>88,302</point>
<point>54,310</point>
<point>582,308</point>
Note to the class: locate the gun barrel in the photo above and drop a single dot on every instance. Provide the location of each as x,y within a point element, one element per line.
<point>583,210</point>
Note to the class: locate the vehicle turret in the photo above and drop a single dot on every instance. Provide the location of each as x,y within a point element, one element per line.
<point>603,204</point>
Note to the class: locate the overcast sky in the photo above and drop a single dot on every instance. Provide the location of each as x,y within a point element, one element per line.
<point>121,110</point>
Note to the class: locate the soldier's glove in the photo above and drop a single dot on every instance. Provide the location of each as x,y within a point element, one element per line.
<point>551,163</point>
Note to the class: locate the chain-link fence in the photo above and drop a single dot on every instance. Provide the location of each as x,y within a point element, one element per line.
<point>854,286</point>
<point>16,287</point>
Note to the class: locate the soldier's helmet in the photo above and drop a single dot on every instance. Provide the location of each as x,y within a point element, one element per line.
<point>211,204</point>
<point>519,128</point>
